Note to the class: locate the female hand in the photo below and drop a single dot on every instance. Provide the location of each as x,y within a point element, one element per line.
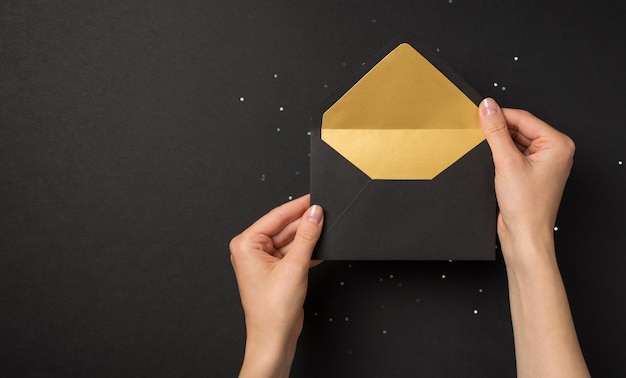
<point>271,260</point>
<point>533,162</point>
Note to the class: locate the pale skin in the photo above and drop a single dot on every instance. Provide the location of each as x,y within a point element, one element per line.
<point>532,160</point>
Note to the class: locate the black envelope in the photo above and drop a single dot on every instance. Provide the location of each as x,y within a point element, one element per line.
<point>400,166</point>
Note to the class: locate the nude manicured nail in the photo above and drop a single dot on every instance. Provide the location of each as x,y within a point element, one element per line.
<point>490,107</point>
<point>315,214</point>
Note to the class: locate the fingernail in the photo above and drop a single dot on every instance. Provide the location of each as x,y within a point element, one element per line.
<point>315,214</point>
<point>490,107</point>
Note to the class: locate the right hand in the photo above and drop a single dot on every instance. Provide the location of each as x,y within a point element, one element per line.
<point>532,162</point>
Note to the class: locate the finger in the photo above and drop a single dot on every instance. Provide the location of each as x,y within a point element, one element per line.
<point>518,137</point>
<point>528,126</point>
<point>307,235</point>
<point>277,219</point>
<point>496,132</point>
<point>286,235</point>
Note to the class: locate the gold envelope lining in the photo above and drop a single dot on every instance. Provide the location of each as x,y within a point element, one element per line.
<point>404,120</point>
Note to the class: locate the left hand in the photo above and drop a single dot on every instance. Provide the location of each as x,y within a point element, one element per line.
<point>271,260</point>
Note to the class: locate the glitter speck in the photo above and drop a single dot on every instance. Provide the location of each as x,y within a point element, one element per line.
<point>556,228</point>
<point>275,76</point>
<point>438,49</point>
<point>308,133</point>
<point>346,318</point>
<point>504,88</point>
<point>620,162</point>
<point>495,84</point>
<point>263,177</point>
<point>281,108</point>
<point>391,276</point>
<point>341,283</point>
<point>363,63</point>
<point>449,1</point>
<point>449,261</point>
<point>475,311</point>
<point>242,99</point>
<point>290,198</point>
<point>330,319</point>
<point>278,129</point>
<point>384,331</point>
<point>443,276</point>
<point>325,85</point>
<point>480,290</point>
<point>516,58</point>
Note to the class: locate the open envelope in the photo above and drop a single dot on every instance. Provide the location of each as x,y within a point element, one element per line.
<point>401,167</point>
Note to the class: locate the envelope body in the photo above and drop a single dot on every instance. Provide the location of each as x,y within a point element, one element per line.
<point>429,195</point>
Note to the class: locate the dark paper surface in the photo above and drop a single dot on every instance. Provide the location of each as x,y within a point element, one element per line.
<point>451,217</point>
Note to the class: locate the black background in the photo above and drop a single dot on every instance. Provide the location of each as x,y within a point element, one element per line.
<point>128,161</point>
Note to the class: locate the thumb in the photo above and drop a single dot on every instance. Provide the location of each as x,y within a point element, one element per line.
<point>307,235</point>
<point>496,132</point>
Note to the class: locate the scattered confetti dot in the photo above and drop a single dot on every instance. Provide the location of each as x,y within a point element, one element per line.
<point>438,49</point>
<point>346,318</point>
<point>308,133</point>
<point>242,99</point>
<point>556,228</point>
<point>480,290</point>
<point>263,177</point>
<point>516,58</point>
<point>504,88</point>
<point>325,85</point>
<point>495,84</point>
<point>281,108</point>
<point>341,283</point>
<point>384,331</point>
<point>475,311</point>
<point>449,261</point>
<point>619,162</point>
<point>290,198</point>
<point>443,276</point>
<point>276,76</point>
<point>391,276</point>
<point>330,319</point>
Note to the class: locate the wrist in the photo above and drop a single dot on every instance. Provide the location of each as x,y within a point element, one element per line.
<point>526,251</point>
<point>268,355</point>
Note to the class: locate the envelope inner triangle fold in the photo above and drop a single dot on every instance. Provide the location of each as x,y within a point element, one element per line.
<point>403,120</point>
